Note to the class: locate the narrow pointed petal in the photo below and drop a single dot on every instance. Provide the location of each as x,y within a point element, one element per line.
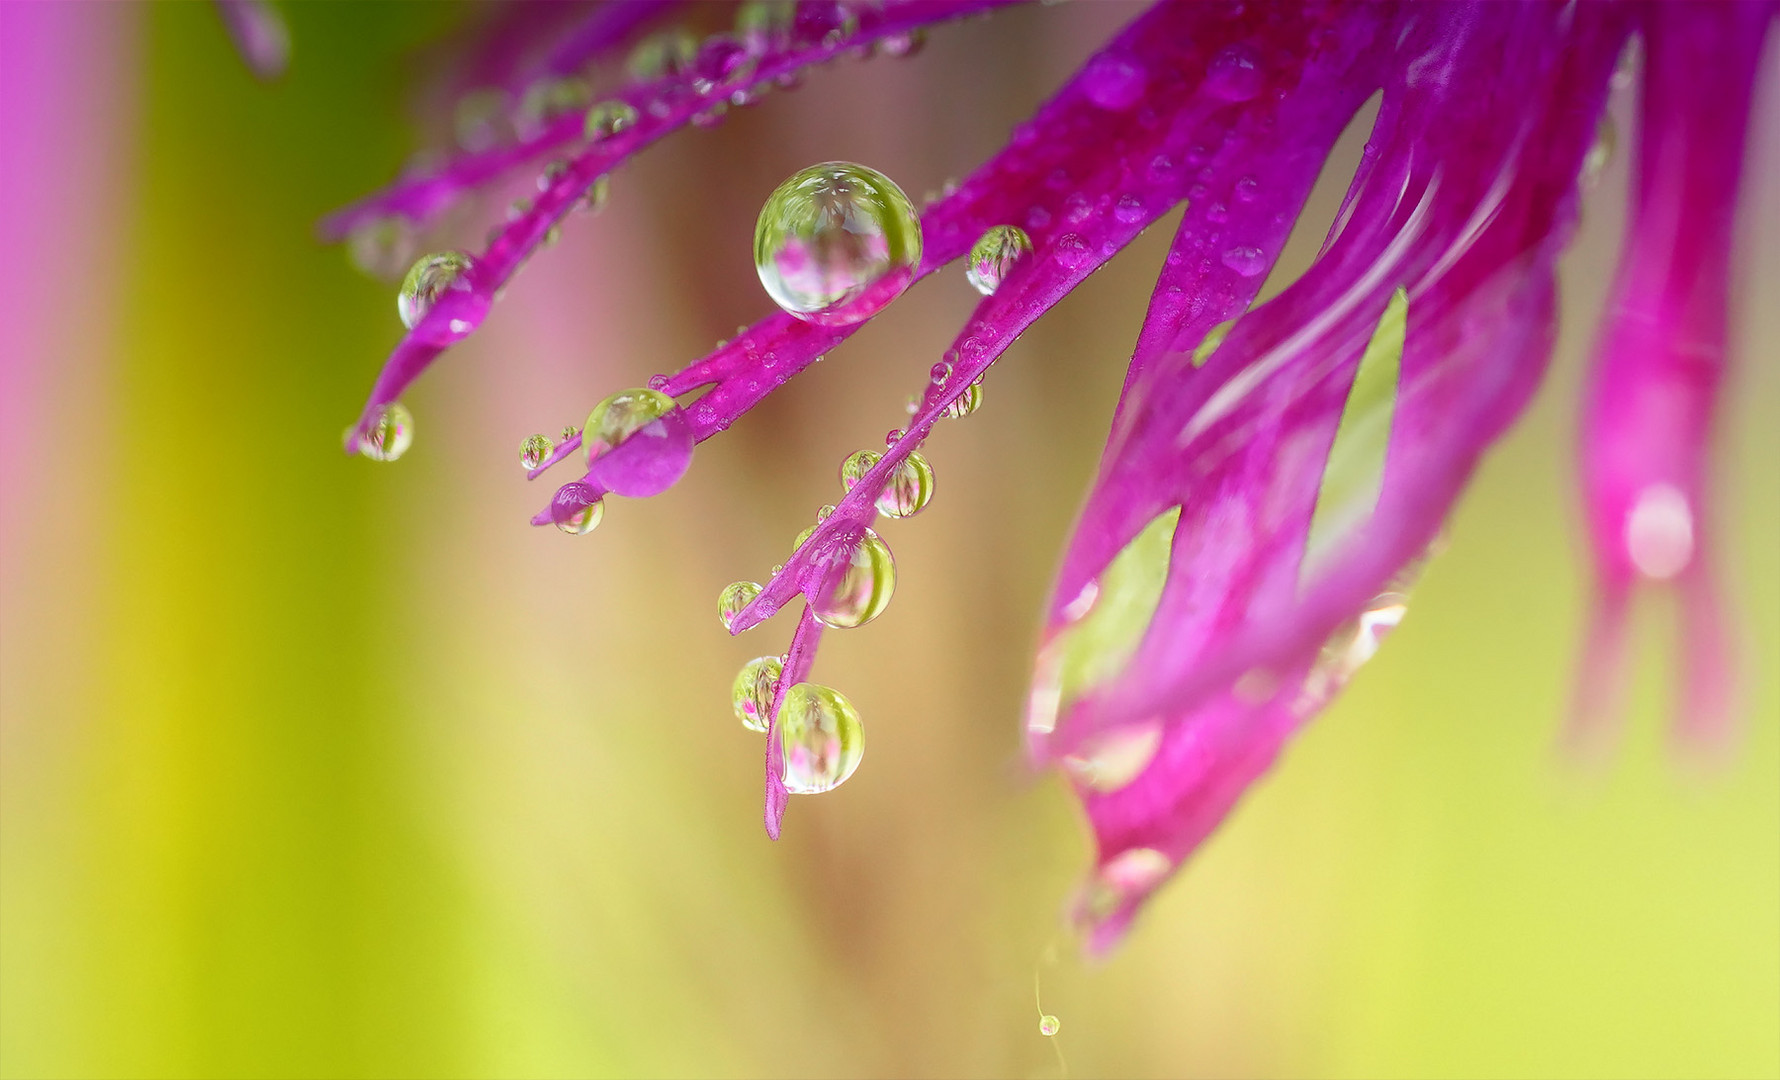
<point>1486,117</point>
<point>1662,359</point>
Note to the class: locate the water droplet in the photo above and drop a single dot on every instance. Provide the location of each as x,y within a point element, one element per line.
<point>382,247</point>
<point>855,577</point>
<point>548,100</point>
<point>1659,532</point>
<point>905,44</point>
<point>824,21</point>
<point>1111,761</point>
<point>1049,1025</point>
<point>1247,188</point>
<point>607,119</point>
<point>910,488</point>
<point>570,431</point>
<point>1247,261</point>
<point>1129,211</point>
<point>577,508</point>
<point>638,442</point>
<point>1114,82</point>
<point>1354,643</point>
<point>822,739</point>
<point>892,437</point>
<point>1235,74</point>
<point>480,119</point>
<point>857,465</point>
<point>836,242</point>
<point>442,280</point>
<point>1213,338</point>
<point>734,597</point>
<point>534,450</point>
<point>966,403</point>
<point>752,693</point>
<point>722,59</point>
<point>1072,252</point>
<point>670,52</point>
<point>389,434</point>
<point>995,255</point>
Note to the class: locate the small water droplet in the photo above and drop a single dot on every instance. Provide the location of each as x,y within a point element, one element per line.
<point>1129,211</point>
<point>548,100</point>
<point>570,431</point>
<point>389,434</point>
<point>442,280</point>
<point>857,465</point>
<point>577,508</point>
<point>1072,252</point>
<point>764,25</point>
<point>892,437</point>
<point>995,255</point>
<point>607,119</point>
<point>822,739</point>
<point>638,442</point>
<point>966,403</point>
<point>1247,188</point>
<point>824,512</point>
<point>1113,81</point>
<point>534,450</point>
<point>1111,761</point>
<point>661,55</point>
<point>722,59</point>
<point>1247,261</point>
<point>752,693</point>
<point>855,578</point>
<point>734,597</point>
<point>382,247</point>
<point>1235,74</point>
<point>905,44</point>
<point>836,242</point>
<point>1049,1025</point>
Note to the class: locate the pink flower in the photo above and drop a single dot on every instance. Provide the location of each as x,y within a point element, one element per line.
<point>1275,473</point>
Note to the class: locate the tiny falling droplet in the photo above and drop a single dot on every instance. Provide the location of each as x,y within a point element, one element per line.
<point>1049,1025</point>
<point>389,434</point>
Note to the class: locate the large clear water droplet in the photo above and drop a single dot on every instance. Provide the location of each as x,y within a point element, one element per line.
<point>966,403</point>
<point>752,694</point>
<point>607,119</point>
<point>578,508</point>
<point>442,280</point>
<point>854,579</point>
<point>389,434</point>
<point>534,450</point>
<point>910,488</point>
<point>836,242</point>
<point>822,739</point>
<point>638,442</point>
<point>734,597</point>
<point>995,254</point>
<point>857,465</point>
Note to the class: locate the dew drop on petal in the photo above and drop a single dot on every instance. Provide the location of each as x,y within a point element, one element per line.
<point>670,52</point>
<point>822,739</point>
<point>1114,82</point>
<point>389,435</point>
<point>578,508</point>
<point>763,25</point>
<point>734,597</point>
<point>857,465</point>
<point>1109,762</point>
<point>1235,74</point>
<point>910,488</point>
<point>1072,251</point>
<point>638,442</point>
<point>836,242</point>
<point>534,450</point>
<point>442,280</point>
<point>1247,261</point>
<point>607,119</point>
<point>593,200</point>
<point>855,577</point>
<point>994,255</point>
<point>382,247</point>
<point>549,100</point>
<point>907,43</point>
<point>752,694</point>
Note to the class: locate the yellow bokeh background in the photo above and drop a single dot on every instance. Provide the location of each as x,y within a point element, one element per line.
<point>315,767</point>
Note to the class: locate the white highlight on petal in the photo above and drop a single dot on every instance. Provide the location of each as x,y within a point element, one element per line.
<point>1659,532</point>
<point>1109,762</point>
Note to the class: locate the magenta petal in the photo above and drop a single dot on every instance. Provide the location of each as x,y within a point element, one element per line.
<point>1661,359</point>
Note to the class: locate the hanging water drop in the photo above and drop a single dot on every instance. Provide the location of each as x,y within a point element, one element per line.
<point>909,489</point>
<point>856,466</point>
<point>638,442</point>
<point>389,434</point>
<point>752,694</point>
<point>607,119</point>
<point>835,243</point>
<point>994,255</point>
<point>821,737</point>
<point>577,508</point>
<point>854,578</point>
<point>534,450</point>
<point>734,597</point>
<point>966,403</point>
<point>1049,1025</point>
<point>442,280</point>
<point>670,52</point>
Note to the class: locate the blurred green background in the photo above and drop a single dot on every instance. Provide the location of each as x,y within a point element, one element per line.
<point>315,767</point>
